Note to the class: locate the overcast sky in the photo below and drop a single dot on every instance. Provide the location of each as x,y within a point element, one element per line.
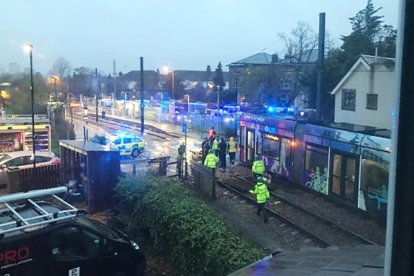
<point>184,34</point>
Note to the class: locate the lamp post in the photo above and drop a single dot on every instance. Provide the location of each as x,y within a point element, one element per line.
<point>29,48</point>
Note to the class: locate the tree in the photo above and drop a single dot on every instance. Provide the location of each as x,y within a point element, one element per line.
<point>20,96</point>
<point>62,68</point>
<point>300,43</point>
<point>208,73</point>
<point>218,79</point>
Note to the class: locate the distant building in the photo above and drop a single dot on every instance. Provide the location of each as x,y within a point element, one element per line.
<point>366,93</point>
<point>190,78</point>
<point>131,82</point>
<point>14,68</point>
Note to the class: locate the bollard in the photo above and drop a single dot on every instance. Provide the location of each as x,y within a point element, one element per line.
<point>163,166</point>
<point>134,169</point>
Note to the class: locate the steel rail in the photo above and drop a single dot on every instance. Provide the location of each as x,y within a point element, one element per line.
<point>324,219</point>
<point>315,238</point>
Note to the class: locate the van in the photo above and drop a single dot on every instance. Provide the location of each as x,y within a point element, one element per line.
<point>53,237</point>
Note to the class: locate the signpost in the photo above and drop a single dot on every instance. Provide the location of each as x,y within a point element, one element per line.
<point>184,130</point>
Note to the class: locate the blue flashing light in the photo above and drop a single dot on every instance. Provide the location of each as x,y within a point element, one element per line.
<point>271,109</point>
<point>290,109</point>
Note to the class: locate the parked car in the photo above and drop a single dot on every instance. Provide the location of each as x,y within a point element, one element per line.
<point>45,238</point>
<point>24,159</point>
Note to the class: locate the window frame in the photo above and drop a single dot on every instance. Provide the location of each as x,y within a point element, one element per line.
<point>370,102</point>
<point>345,93</point>
<point>264,153</point>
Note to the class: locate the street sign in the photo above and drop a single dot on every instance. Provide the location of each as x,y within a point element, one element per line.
<point>184,127</point>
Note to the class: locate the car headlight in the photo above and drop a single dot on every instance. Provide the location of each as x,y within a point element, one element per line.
<point>134,245</point>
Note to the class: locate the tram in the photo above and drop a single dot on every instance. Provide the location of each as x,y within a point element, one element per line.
<point>16,133</point>
<point>345,162</point>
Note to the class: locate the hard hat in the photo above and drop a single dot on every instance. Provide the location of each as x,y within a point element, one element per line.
<point>231,139</point>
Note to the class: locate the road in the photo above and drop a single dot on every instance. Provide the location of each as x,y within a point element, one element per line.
<point>154,146</point>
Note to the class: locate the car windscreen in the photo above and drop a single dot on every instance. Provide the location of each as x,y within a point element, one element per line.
<point>4,157</point>
<point>105,230</point>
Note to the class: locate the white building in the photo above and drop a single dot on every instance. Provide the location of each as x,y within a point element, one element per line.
<point>365,95</point>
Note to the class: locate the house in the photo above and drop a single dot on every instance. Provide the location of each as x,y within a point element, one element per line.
<point>366,93</point>
<point>191,78</point>
<point>289,67</point>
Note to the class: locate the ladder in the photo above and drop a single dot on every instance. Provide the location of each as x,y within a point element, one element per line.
<point>18,222</point>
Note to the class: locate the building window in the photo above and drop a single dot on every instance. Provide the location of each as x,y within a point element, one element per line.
<point>348,99</point>
<point>372,101</point>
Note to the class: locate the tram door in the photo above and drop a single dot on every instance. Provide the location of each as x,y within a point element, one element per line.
<point>344,176</point>
<point>250,146</point>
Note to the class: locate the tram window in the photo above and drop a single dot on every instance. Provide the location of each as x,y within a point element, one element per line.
<point>271,148</point>
<point>286,150</point>
<point>259,144</point>
<point>374,185</point>
<point>242,136</point>
<point>316,158</point>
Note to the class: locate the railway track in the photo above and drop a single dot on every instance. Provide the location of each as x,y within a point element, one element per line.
<point>150,130</point>
<point>316,227</point>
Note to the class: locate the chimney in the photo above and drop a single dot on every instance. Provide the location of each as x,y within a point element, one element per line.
<point>275,58</point>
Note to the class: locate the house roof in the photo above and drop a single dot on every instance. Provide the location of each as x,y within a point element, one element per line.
<point>136,75</point>
<point>308,56</point>
<point>368,62</point>
<point>192,75</point>
<point>259,58</point>
<point>379,60</point>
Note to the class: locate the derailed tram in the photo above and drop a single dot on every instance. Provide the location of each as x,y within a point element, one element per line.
<point>345,162</point>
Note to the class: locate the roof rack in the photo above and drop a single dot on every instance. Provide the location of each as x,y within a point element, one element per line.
<point>19,222</point>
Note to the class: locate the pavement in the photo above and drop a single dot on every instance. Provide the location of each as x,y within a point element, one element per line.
<point>362,260</point>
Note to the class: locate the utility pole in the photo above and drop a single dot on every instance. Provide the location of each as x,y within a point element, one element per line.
<point>96,93</point>
<point>142,95</point>
<point>218,109</point>
<point>114,79</point>
<point>321,53</point>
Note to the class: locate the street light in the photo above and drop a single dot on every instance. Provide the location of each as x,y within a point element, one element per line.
<point>168,69</point>
<point>29,48</point>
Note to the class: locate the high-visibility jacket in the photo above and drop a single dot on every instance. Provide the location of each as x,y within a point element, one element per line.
<point>232,146</point>
<point>261,192</point>
<point>215,145</point>
<point>258,167</point>
<point>211,161</point>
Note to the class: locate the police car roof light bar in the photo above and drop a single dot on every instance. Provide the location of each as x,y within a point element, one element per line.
<point>19,222</point>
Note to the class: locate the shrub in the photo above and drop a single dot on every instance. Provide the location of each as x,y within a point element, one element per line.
<point>196,240</point>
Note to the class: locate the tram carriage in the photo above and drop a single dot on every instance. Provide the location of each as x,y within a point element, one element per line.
<point>345,162</point>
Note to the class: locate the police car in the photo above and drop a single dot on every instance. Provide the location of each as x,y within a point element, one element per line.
<point>52,237</point>
<point>126,143</point>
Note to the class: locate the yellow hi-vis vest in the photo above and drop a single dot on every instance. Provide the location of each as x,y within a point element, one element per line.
<point>232,146</point>
<point>258,167</point>
<point>261,192</point>
<point>211,161</point>
<point>215,144</point>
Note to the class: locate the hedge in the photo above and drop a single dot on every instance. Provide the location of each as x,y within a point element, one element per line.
<point>197,241</point>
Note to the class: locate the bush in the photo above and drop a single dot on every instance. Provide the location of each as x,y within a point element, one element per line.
<point>195,239</point>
